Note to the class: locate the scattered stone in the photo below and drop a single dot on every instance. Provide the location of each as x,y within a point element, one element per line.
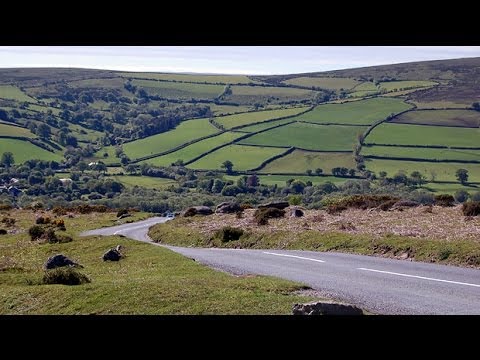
<point>123,216</point>
<point>59,260</point>
<point>296,213</point>
<point>228,208</point>
<point>326,308</point>
<point>277,205</point>
<point>112,255</point>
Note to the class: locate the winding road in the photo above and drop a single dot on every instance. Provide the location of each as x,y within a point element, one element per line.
<point>380,285</point>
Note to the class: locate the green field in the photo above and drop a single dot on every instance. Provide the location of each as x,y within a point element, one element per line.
<point>149,280</point>
<point>232,121</point>
<point>9,130</point>
<point>242,157</point>
<point>194,150</point>
<point>402,134</point>
<point>44,109</point>
<point>422,153</point>
<point>309,137</point>
<point>361,94</point>
<point>179,90</point>
<point>323,82</point>
<point>253,94</point>
<point>219,110</point>
<point>183,133</point>
<point>224,79</point>
<point>397,85</point>
<point>24,150</point>
<point>463,118</point>
<point>443,171</point>
<point>363,112</point>
<point>14,93</point>
<point>263,126</point>
<point>300,161</point>
<point>441,104</point>
<point>112,83</point>
<point>366,86</point>
<point>451,188</point>
<point>144,181</point>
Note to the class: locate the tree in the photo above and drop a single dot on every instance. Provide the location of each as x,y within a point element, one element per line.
<point>43,131</point>
<point>417,178</point>
<point>253,180</point>
<point>228,166</point>
<point>7,159</point>
<point>461,196</point>
<point>82,166</point>
<point>318,171</point>
<point>351,172</point>
<point>382,174</point>
<point>462,175</point>
<point>476,106</point>
<point>309,172</point>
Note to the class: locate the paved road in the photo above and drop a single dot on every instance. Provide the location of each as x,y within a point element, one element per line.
<point>380,285</point>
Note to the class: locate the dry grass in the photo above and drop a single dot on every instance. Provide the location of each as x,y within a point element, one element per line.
<point>440,224</point>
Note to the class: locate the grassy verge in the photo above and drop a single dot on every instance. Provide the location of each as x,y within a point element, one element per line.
<point>150,280</point>
<point>182,232</point>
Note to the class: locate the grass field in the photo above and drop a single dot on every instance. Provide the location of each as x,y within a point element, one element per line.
<point>180,90</point>
<point>219,110</point>
<point>300,161</point>
<point>193,150</point>
<point>232,121</point>
<point>402,134</point>
<point>112,83</point>
<point>309,137</point>
<point>149,280</point>
<point>361,94</point>
<point>423,153</point>
<point>9,130</point>
<point>441,104</point>
<point>463,118</point>
<point>44,109</point>
<point>442,171</point>
<point>82,133</point>
<point>450,188</point>
<point>280,180</point>
<point>14,93</point>
<point>366,86</point>
<point>263,126</point>
<point>186,131</point>
<point>242,157</point>
<point>397,85</point>
<point>252,94</point>
<point>363,112</point>
<point>224,79</point>
<point>323,82</point>
<point>144,181</point>
<point>23,151</point>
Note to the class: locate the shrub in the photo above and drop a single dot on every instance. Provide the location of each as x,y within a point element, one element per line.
<point>5,207</point>
<point>228,233</point>
<point>59,223</point>
<point>64,276</point>
<point>422,197</point>
<point>335,209</point>
<point>3,232</point>
<point>262,215</point>
<point>190,212</point>
<point>444,200</point>
<point>59,210</point>
<point>359,202</point>
<point>387,205</point>
<point>406,203</point>
<point>49,236</point>
<point>64,239</point>
<point>475,196</point>
<point>239,214</point>
<point>122,212</point>
<point>8,221</point>
<point>246,206</point>
<point>36,232</point>
<point>471,208</point>
<point>42,220</point>
<point>461,196</point>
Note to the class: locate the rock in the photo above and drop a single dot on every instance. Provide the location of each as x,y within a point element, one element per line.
<point>277,205</point>
<point>59,260</point>
<point>228,208</point>
<point>123,216</point>
<point>326,308</point>
<point>112,255</point>
<point>119,248</point>
<point>296,213</point>
<point>203,210</point>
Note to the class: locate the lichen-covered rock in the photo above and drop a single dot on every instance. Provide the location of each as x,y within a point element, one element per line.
<point>59,260</point>
<point>112,255</point>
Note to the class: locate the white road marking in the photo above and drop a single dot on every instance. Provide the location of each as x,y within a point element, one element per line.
<point>293,256</point>
<point>421,277</point>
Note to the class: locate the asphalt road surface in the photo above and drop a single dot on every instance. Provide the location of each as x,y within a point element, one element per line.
<point>380,285</point>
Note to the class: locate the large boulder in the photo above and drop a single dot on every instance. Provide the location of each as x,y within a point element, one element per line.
<point>113,254</point>
<point>326,308</point>
<point>197,210</point>
<point>228,208</point>
<point>59,260</point>
<point>296,212</point>
<point>277,205</point>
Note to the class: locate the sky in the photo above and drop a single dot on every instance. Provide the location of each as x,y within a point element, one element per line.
<point>225,59</point>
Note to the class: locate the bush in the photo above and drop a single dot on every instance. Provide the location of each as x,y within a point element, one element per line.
<point>8,221</point>
<point>190,212</point>
<point>59,223</point>
<point>422,197</point>
<point>228,233</point>
<point>387,205</point>
<point>471,208</point>
<point>239,214</point>
<point>42,220</point>
<point>406,203</point>
<point>36,232</point>
<point>262,215</point>
<point>461,196</point>
<point>359,202</point>
<point>49,236</point>
<point>246,206</point>
<point>64,276</point>
<point>444,200</point>
<point>59,211</point>
<point>5,207</point>
<point>64,239</point>
<point>475,196</point>
<point>3,232</point>
<point>122,212</point>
